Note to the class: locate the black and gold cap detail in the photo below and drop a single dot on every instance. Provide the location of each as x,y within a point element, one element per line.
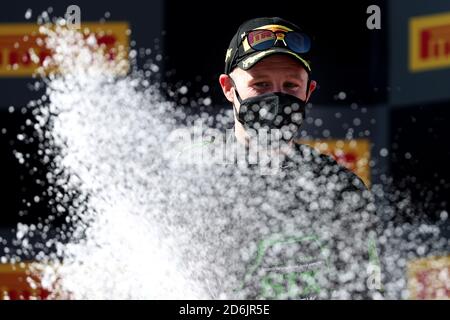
<point>241,54</point>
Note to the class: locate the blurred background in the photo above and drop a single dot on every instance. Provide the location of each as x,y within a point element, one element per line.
<point>388,88</point>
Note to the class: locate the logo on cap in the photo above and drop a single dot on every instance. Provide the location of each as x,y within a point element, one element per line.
<point>228,55</point>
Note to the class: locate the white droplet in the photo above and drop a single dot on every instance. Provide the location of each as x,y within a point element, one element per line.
<point>183,90</point>
<point>28,14</point>
<point>318,122</point>
<point>207,101</point>
<point>133,54</point>
<point>154,67</point>
<point>342,95</point>
<point>384,152</point>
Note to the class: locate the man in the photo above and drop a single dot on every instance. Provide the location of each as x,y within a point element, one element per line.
<point>268,81</point>
<point>265,65</point>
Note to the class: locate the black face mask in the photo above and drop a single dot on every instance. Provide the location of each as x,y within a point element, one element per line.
<point>275,110</point>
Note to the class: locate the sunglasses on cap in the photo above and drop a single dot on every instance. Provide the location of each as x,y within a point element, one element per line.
<point>262,39</point>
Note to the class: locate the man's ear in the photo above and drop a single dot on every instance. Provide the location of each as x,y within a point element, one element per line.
<point>225,83</point>
<point>312,87</point>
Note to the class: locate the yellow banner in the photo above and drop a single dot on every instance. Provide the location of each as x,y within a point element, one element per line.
<point>14,284</point>
<point>352,154</point>
<point>429,42</point>
<point>429,278</point>
<point>18,41</point>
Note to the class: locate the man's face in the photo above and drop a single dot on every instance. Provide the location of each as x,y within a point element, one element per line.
<point>276,73</point>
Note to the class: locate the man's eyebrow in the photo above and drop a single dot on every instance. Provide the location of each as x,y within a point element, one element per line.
<point>258,75</point>
<point>262,74</point>
<point>295,76</point>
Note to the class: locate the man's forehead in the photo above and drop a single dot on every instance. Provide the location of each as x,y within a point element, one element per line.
<point>283,64</point>
<point>277,63</point>
<point>245,76</point>
<point>268,73</point>
<point>279,59</point>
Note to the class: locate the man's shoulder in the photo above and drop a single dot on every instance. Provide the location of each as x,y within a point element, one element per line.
<point>327,167</point>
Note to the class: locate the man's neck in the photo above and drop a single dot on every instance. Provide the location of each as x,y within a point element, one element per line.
<point>240,134</point>
<point>243,138</point>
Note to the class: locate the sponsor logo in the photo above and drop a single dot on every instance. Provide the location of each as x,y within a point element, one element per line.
<point>429,45</point>
<point>303,261</point>
<point>15,284</point>
<point>429,278</point>
<point>22,46</point>
<point>353,154</point>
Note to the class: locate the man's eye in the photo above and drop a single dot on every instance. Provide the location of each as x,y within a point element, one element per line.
<point>291,85</point>
<point>261,85</point>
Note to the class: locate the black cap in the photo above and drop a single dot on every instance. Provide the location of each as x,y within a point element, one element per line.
<point>244,57</point>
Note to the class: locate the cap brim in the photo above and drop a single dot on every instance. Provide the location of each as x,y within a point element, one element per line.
<point>252,59</point>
